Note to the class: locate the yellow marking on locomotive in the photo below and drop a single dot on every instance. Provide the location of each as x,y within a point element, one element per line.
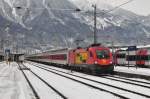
<point>81,57</point>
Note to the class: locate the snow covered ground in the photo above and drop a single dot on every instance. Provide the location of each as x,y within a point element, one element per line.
<point>12,83</point>
<point>14,86</point>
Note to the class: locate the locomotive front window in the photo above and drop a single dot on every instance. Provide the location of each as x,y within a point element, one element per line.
<point>101,54</point>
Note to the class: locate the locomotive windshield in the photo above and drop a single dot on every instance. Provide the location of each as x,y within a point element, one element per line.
<point>101,54</point>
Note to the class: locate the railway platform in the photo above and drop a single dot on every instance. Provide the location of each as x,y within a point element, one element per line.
<point>136,72</point>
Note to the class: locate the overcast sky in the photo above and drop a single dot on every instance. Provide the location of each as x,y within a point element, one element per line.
<point>141,7</point>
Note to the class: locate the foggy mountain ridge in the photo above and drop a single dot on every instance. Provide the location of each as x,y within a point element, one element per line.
<point>43,25</point>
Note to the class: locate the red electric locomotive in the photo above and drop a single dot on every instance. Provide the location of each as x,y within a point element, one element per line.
<point>97,59</point>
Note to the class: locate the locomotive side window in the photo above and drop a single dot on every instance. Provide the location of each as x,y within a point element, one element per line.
<point>101,54</point>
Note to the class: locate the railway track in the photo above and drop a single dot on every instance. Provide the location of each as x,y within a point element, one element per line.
<point>33,89</point>
<point>135,66</point>
<point>31,86</point>
<point>128,82</point>
<point>129,75</point>
<point>128,79</point>
<point>123,89</point>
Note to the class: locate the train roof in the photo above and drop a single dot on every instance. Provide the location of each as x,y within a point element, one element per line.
<point>52,50</point>
<point>144,46</point>
<point>66,49</point>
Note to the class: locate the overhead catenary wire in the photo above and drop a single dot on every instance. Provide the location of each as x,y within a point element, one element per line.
<point>118,6</point>
<point>76,9</point>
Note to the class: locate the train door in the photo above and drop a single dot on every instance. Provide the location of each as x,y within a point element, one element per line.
<point>121,57</point>
<point>131,56</point>
<point>147,58</point>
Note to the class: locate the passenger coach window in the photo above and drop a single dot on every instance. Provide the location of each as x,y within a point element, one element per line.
<point>131,58</point>
<point>121,55</point>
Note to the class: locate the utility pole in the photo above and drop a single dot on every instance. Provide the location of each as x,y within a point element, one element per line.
<point>95,23</point>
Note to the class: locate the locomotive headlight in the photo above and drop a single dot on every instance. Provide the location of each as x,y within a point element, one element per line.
<point>110,62</point>
<point>95,62</point>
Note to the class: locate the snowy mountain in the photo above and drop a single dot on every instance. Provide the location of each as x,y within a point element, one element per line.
<point>53,23</point>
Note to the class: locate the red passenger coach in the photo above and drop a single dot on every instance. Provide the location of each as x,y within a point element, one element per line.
<point>58,56</point>
<point>143,57</point>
